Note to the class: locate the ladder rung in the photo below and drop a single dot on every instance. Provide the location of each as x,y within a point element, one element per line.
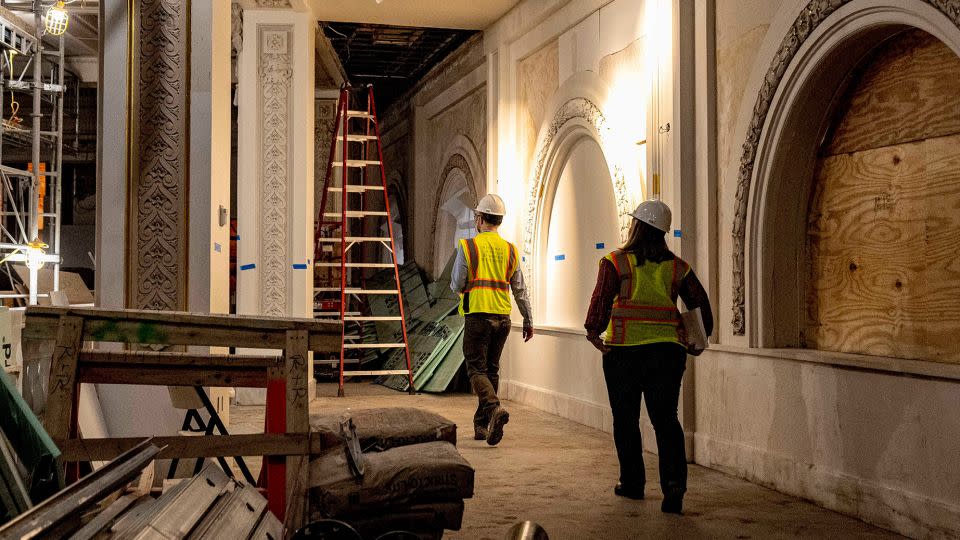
<point>336,313</point>
<point>372,318</point>
<point>357,163</point>
<point>357,189</point>
<point>374,345</point>
<point>356,138</point>
<point>354,265</point>
<point>356,291</point>
<point>357,213</point>
<point>376,372</point>
<point>336,240</point>
<point>359,114</point>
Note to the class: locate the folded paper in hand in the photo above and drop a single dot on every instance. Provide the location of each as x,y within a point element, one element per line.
<point>696,333</point>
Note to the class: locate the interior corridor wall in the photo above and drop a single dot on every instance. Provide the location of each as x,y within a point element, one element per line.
<point>876,437</point>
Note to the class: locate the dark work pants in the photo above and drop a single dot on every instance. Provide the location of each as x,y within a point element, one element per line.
<point>654,372</point>
<point>484,335</point>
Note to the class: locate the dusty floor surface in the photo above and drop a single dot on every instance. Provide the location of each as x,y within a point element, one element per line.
<point>561,475</point>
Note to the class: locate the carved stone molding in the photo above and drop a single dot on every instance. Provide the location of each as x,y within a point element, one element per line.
<point>157,271</point>
<point>809,19</point>
<point>324,120</point>
<point>275,72</point>
<point>236,37</point>
<point>273,3</point>
<point>573,109</point>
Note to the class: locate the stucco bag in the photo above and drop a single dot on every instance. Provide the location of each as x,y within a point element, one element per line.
<point>398,477</point>
<point>385,428</point>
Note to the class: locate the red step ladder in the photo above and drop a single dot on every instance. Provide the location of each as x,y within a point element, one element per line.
<point>345,222</point>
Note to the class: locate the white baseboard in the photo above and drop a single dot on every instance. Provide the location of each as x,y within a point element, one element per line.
<point>911,514</point>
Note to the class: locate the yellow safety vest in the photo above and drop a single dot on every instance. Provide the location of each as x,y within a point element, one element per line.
<point>491,262</point>
<point>645,311</point>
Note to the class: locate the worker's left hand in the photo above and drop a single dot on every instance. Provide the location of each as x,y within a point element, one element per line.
<point>527,333</point>
<point>597,342</point>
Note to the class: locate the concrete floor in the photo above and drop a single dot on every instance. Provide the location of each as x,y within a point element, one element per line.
<point>561,475</point>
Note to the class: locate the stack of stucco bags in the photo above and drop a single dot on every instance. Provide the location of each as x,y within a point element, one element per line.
<point>413,478</point>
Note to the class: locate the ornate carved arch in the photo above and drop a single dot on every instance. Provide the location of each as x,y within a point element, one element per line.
<point>575,119</point>
<point>826,20</point>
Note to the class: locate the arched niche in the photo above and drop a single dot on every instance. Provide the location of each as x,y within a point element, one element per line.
<point>576,114</point>
<point>798,97</point>
<point>461,186</point>
<point>581,224</point>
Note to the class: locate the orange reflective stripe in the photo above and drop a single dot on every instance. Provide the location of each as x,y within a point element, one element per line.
<point>626,274</point>
<point>645,313</point>
<point>474,257</point>
<point>511,261</point>
<point>489,284</point>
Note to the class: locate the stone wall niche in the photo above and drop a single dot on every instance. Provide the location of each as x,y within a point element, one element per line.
<point>793,113</point>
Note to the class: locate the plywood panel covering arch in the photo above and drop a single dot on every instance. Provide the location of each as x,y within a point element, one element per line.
<point>884,221</point>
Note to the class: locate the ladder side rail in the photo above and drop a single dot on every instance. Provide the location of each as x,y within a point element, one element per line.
<point>341,110</point>
<point>393,250</point>
<point>345,96</point>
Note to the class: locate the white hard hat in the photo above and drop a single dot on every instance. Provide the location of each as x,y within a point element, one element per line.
<point>654,213</point>
<point>492,204</point>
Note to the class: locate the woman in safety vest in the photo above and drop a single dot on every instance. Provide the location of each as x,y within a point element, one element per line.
<point>633,320</point>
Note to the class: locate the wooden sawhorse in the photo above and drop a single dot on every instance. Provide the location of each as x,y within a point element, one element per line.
<point>286,438</point>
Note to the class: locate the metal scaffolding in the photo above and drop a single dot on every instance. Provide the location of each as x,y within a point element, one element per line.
<point>30,216</point>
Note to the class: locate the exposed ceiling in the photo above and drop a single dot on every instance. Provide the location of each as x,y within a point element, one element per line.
<point>81,36</point>
<point>460,14</point>
<point>392,58</point>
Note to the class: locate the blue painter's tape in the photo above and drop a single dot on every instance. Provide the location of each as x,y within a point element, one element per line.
<point>677,233</point>
<point>217,247</point>
<point>250,266</point>
<point>237,237</point>
<point>600,245</point>
<point>300,266</point>
<point>560,258</point>
<point>524,259</point>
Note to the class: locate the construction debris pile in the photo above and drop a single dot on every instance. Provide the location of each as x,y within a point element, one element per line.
<point>390,469</point>
<point>434,329</point>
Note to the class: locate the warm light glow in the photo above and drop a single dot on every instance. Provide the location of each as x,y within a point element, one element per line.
<point>35,253</point>
<point>56,20</point>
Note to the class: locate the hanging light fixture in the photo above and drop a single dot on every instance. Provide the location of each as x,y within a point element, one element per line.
<point>56,19</point>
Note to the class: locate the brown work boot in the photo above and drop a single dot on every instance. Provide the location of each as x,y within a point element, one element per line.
<point>479,433</point>
<point>498,418</point>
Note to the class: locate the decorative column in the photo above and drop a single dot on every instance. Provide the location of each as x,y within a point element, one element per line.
<point>275,167</point>
<point>163,175</point>
<point>158,175</point>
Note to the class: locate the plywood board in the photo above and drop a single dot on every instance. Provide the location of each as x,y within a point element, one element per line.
<point>70,283</point>
<point>907,92</point>
<point>885,252</point>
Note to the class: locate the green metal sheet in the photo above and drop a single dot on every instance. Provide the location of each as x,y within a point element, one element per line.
<point>34,448</point>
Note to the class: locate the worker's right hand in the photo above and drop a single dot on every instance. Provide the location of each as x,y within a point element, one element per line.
<point>527,333</point>
<point>598,344</point>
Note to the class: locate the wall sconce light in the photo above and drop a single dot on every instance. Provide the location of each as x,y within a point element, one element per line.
<point>56,19</point>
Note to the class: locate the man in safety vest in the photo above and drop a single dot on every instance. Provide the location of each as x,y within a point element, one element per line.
<point>486,270</point>
<point>634,321</point>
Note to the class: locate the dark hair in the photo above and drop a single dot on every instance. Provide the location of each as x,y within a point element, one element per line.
<point>647,243</point>
<point>491,219</point>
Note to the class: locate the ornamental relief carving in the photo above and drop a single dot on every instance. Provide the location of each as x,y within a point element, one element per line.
<point>576,108</point>
<point>275,73</point>
<point>273,3</point>
<point>157,272</point>
<point>809,19</point>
